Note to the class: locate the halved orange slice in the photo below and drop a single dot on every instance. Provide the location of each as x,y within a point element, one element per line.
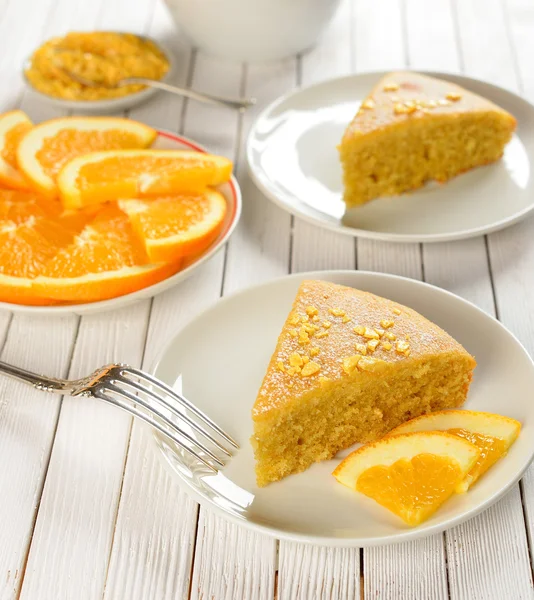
<point>13,125</point>
<point>30,238</point>
<point>124,174</point>
<point>46,148</point>
<point>411,475</point>
<point>175,226</point>
<point>492,434</point>
<point>17,206</point>
<point>104,261</point>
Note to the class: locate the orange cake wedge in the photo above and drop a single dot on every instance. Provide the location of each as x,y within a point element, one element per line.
<point>492,434</point>
<point>411,475</point>
<point>46,148</point>
<point>348,367</point>
<point>174,226</point>
<point>103,176</point>
<point>105,260</point>
<point>13,125</point>
<point>413,128</point>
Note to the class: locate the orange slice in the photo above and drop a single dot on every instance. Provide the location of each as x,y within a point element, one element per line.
<point>17,206</point>
<point>492,434</point>
<point>31,234</point>
<point>175,226</point>
<point>104,261</point>
<point>103,176</point>
<point>46,148</point>
<point>411,475</point>
<point>13,125</point>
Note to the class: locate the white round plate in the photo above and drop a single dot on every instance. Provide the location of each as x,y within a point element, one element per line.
<point>232,193</point>
<point>218,362</point>
<point>292,157</point>
<point>113,105</point>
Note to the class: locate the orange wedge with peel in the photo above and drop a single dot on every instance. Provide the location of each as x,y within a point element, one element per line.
<point>124,174</point>
<point>105,260</point>
<point>412,474</point>
<point>13,126</point>
<point>492,434</point>
<point>46,148</point>
<point>174,226</point>
<point>31,234</point>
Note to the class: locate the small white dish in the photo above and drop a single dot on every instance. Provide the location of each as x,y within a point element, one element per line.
<point>253,30</point>
<point>112,105</point>
<point>232,193</point>
<point>292,157</point>
<point>241,332</point>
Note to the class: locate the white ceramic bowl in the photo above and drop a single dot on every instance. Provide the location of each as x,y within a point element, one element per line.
<point>253,30</point>
<point>105,106</point>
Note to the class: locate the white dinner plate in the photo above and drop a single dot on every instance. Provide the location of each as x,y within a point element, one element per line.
<point>232,193</point>
<point>292,156</point>
<point>218,361</point>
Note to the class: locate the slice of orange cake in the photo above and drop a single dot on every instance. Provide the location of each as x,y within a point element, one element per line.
<point>413,128</point>
<point>348,367</point>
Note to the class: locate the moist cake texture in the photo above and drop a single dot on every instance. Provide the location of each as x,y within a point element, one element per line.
<point>412,129</point>
<point>348,367</point>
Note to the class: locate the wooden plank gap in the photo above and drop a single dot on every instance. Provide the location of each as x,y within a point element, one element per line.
<point>362,580</point>
<point>446,556</point>
<point>4,338</point>
<point>492,279</point>
<point>193,554</point>
<point>527,528</point>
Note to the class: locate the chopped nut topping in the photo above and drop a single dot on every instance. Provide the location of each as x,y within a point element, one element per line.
<point>293,332</point>
<point>391,87</point>
<point>305,359</point>
<point>350,363</point>
<point>314,351</point>
<point>453,96</point>
<point>380,332</point>
<point>359,330</point>
<point>323,379</point>
<point>367,363</point>
<point>368,104</point>
<point>280,366</point>
<point>293,370</point>
<point>386,345</point>
<point>372,344</point>
<point>361,349</point>
<point>346,319</point>
<point>404,109</point>
<point>304,338</point>
<point>327,324</point>
<point>396,311</point>
<point>295,360</point>
<point>443,102</point>
<point>295,320</point>
<point>311,311</point>
<point>431,104</point>
<point>310,369</point>
<point>315,318</point>
<point>386,323</point>
<point>305,318</point>
<point>309,329</point>
<point>390,336</point>
<point>370,334</point>
<point>337,312</point>
<point>403,347</point>
<point>321,334</point>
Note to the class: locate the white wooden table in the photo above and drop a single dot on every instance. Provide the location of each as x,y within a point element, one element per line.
<point>87,510</point>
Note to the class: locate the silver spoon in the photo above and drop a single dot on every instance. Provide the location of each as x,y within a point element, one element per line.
<point>235,103</point>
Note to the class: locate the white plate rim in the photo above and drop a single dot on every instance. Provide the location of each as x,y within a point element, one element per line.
<point>262,184</point>
<point>107,105</point>
<point>157,288</point>
<point>273,532</point>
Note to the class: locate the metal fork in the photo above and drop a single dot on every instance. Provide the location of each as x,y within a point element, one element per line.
<point>166,410</point>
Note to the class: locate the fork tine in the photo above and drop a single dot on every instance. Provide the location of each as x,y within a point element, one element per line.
<point>99,393</point>
<point>179,398</point>
<point>162,400</point>
<point>137,400</point>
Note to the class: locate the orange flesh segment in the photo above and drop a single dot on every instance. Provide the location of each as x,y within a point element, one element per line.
<point>412,489</point>
<point>491,450</point>
<point>17,206</point>
<point>56,151</point>
<point>12,138</point>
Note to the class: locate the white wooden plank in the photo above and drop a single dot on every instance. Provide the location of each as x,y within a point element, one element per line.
<point>258,249</point>
<point>307,571</point>
<point>27,426</point>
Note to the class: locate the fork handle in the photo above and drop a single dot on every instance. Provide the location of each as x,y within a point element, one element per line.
<point>235,103</point>
<point>39,382</point>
